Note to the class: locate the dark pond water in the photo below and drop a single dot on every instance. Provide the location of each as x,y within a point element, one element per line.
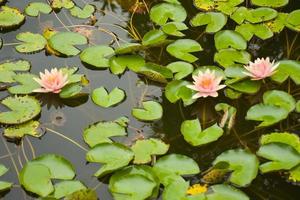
<point>73,120</point>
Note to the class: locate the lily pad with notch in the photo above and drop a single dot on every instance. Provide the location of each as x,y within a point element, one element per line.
<point>101,97</point>
<point>31,42</point>
<point>102,53</point>
<point>214,21</point>
<point>118,64</point>
<point>151,111</point>
<point>10,17</point>
<point>34,9</point>
<point>87,11</point>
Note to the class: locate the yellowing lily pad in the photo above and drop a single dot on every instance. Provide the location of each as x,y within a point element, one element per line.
<point>59,4</point>
<point>19,131</point>
<point>10,17</point>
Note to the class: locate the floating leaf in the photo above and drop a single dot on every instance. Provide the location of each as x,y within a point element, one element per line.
<point>281,156</point>
<point>59,167</point>
<point>128,48</point>
<point>244,86</point>
<point>19,65</point>
<point>182,69</point>
<point>151,111</point>
<point>118,64</point>
<point>144,149</point>
<point>229,57</point>
<point>214,21</point>
<point>244,166</point>
<point>284,138</point>
<point>194,135</point>
<point>64,42</point>
<point>4,185</point>
<point>249,30</point>
<point>31,42</point>
<point>280,98</point>
<point>102,131</point>
<point>113,156</point>
<point>27,84</point>
<point>174,90</point>
<point>156,72</point>
<point>174,28</point>
<point>230,39</point>
<point>102,53</point>
<point>226,192</point>
<point>36,178</point>
<point>10,17</point>
<point>176,190</point>
<point>270,3</point>
<point>71,91</point>
<point>82,195</point>
<point>278,24</point>
<point>22,109</point>
<point>19,131</point>
<point>286,69</point>
<point>183,48</point>
<point>253,15</point>
<point>294,174</point>
<point>161,13</point>
<point>66,188</point>
<point>33,9</point>
<point>87,11</point>
<point>292,21</point>
<point>154,38</point>
<point>101,97</point>
<point>59,4</point>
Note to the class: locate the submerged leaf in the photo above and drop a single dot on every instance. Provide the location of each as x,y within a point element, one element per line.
<point>113,156</point>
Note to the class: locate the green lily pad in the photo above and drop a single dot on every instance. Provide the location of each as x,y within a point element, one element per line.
<point>286,69</point>
<point>249,30</point>
<point>59,167</point>
<point>278,24</point>
<point>71,91</point>
<point>31,42</point>
<point>22,109</point>
<point>226,192</point>
<point>19,131</point>
<point>118,64</point>
<point>156,72</point>
<point>294,174</point>
<point>114,156</point>
<point>174,28</point>
<point>151,111</point>
<point>87,194</point>
<point>292,21</point>
<point>176,190</point>
<point>253,15</point>
<point>33,9</point>
<point>4,185</point>
<point>101,97</point>
<point>59,4</point>
<point>244,86</point>
<point>182,69</point>
<point>144,149</point>
<point>161,13</point>
<point>102,53</point>
<point>154,38</point>
<point>10,17</point>
<point>183,48</point>
<point>280,98</point>
<point>194,135</point>
<point>7,76</point>
<point>66,188</point>
<point>128,48</point>
<point>175,90</point>
<point>173,166</point>
<point>270,3</point>
<point>102,131</point>
<point>87,11</point>
<point>281,156</point>
<point>229,57</point>
<point>230,39</point>
<point>18,65</point>
<point>36,178</point>
<point>290,139</point>
<point>214,21</point>
<point>244,166</point>
<point>64,42</point>
<point>26,84</point>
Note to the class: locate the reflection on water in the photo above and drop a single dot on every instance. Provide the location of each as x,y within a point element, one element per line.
<point>70,118</point>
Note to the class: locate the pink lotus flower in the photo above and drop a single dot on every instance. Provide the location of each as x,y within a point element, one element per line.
<point>261,68</point>
<point>206,84</point>
<point>52,81</point>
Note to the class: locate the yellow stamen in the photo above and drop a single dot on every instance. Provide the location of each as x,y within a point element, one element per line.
<point>197,189</point>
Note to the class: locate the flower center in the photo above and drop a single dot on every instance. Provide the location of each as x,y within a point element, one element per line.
<point>197,189</point>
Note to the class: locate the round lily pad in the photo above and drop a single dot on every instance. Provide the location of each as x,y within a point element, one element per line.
<point>214,21</point>
<point>270,3</point>
<point>86,12</point>
<point>152,111</point>
<point>292,21</point>
<point>59,4</point>
<point>22,109</point>
<point>10,17</point>
<point>31,42</point>
<point>102,98</point>
<point>102,53</point>
<point>230,39</point>
<point>35,8</point>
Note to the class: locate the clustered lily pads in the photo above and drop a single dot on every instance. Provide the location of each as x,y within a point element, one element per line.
<point>148,168</point>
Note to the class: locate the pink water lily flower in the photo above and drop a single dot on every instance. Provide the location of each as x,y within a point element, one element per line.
<point>261,68</point>
<point>206,84</point>
<point>51,82</point>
